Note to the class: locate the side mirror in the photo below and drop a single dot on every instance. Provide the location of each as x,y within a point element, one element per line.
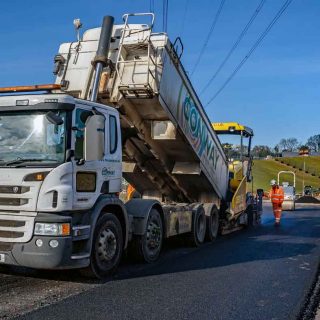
<point>94,140</point>
<point>54,118</point>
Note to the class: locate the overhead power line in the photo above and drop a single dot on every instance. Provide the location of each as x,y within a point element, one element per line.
<point>186,5</point>
<point>165,7</point>
<point>253,48</point>
<point>163,14</point>
<point>167,14</point>
<point>213,25</point>
<point>235,45</point>
<point>151,6</point>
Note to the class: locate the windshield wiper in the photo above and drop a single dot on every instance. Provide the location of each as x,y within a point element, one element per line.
<point>22,160</point>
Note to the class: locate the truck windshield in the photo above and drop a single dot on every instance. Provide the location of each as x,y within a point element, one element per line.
<point>30,136</point>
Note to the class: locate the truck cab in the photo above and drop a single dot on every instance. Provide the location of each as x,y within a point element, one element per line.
<point>59,156</point>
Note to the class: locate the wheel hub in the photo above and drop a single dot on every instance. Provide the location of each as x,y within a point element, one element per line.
<point>153,236</point>
<point>107,245</point>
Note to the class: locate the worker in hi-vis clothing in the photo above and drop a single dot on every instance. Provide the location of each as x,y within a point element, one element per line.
<point>276,195</point>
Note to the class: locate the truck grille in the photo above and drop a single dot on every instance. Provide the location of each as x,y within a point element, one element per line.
<point>17,197</point>
<point>13,202</point>
<point>6,246</point>
<point>14,228</point>
<point>11,234</point>
<point>14,189</point>
<point>14,224</point>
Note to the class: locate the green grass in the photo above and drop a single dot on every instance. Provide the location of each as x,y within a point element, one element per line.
<point>312,164</point>
<point>265,170</point>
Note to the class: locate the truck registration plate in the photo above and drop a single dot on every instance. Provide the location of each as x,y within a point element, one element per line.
<point>2,258</point>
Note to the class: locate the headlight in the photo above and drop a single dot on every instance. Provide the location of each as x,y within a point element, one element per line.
<point>52,229</point>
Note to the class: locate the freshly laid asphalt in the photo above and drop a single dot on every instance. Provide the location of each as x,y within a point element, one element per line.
<point>259,273</point>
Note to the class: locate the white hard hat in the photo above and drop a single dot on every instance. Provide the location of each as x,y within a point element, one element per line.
<point>273,182</point>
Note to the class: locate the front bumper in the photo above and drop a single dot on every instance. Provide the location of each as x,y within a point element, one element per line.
<point>45,257</point>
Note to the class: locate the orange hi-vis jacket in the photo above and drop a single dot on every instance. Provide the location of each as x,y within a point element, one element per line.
<point>130,191</point>
<point>276,195</point>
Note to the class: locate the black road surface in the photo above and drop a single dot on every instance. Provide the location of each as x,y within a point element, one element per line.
<point>259,273</point>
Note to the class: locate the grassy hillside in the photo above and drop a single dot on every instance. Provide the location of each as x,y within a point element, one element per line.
<point>265,170</point>
<point>312,164</point>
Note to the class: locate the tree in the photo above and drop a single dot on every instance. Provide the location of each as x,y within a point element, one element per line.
<point>226,148</point>
<point>290,144</point>
<point>314,143</point>
<point>231,151</point>
<point>261,151</point>
<point>276,150</point>
<point>282,145</point>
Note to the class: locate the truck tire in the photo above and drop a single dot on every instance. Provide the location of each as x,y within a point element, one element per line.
<point>212,225</point>
<point>250,216</point>
<point>198,232</point>
<point>107,247</point>
<point>147,247</point>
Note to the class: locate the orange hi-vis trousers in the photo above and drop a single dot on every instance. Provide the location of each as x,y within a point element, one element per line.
<point>277,210</point>
<point>277,196</point>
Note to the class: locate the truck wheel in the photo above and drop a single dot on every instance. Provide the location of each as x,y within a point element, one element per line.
<point>148,247</point>
<point>212,224</point>
<point>107,247</point>
<point>198,233</point>
<point>250,216</point>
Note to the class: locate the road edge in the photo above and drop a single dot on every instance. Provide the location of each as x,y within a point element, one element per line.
<point>312,301</point>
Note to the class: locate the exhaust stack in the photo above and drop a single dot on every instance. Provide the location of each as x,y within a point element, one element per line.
<point>101,57</point>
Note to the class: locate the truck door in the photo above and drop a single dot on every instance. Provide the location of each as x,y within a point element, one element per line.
<point>97,155</point>
<point>112,169</point>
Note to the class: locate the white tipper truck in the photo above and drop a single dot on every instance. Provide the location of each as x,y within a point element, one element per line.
<point>122,107</point>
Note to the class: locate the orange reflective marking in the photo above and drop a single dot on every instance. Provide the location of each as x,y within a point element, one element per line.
<point>39,87</point>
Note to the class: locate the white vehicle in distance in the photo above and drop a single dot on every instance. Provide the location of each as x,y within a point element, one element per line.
<point>289,192</point>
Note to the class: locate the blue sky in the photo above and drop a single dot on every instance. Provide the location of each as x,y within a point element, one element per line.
<point>277,92</point>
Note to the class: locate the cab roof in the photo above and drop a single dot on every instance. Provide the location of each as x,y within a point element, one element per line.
<point>232,128</point>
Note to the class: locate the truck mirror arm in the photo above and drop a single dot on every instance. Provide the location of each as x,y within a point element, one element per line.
<point>81,162</point>
<point>75,129</point>
<point>69,155</point>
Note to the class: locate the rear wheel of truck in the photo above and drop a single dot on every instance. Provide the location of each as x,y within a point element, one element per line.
<point>148,246</point>
<point>107,247</point>
<point>212,224</point>
<point>250,215</point>
<point>198,232</point>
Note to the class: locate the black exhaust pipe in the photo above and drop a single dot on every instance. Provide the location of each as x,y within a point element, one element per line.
<point>101,58</point>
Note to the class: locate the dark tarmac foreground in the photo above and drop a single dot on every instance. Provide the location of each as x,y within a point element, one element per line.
<point>258,273</point>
